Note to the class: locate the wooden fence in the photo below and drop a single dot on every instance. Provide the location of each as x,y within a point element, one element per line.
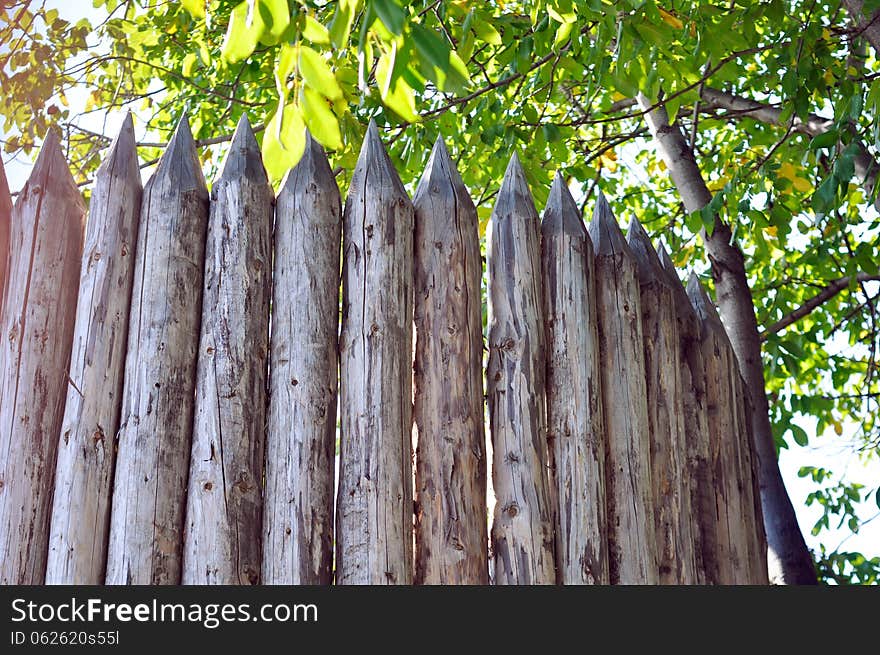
<point>171,368</point>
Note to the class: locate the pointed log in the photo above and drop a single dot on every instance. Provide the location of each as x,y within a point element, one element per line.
<point>86,452</point>
<point>720,366</point>
<point>374,511</point>
<point>576,429</point>
<point>632,554</point>
<point>696,427</point>
<point>523,524</point>
<point>45,250</point>
<point>301,435</point>
<point>152,464</point>
<point>5,225</point>
<point>224,521</point>
<point>451,530</point>
<point>669,471</point>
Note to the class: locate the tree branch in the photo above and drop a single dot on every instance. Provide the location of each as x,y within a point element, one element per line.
<point>831,289</point>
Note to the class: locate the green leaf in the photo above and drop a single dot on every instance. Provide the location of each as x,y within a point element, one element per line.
<point>276,18</point>
<point>320,120</point>
<point>430,46</point>
<point>396,93</point>
<point>284,67</point>
<point>284,141</point>
<point>390,13</point>
<point>315,32</point>
<point>340,28</point>
<point>825,140</point>
<point>799,434</point>
<point>487,32</point>
<point>243,33</point>
<point>317,74</point>
<point>196,8</point>
<point>189,64</point>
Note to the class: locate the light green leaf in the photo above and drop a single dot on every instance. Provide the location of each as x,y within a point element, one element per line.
<point>487,32</point>
<point>341,25</point>
<point>391,14</point>
<point>321,121</point>
<point>317,74</point>
<point>195,7</point>
<point>396,93</point>
<point>244,32</point>
<point>188,64</point>
<point>315,32</point>
<point>284,67</point>
<point>276,18</point>
<point>284,140</point>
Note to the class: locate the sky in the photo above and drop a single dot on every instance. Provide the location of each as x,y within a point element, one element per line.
<point>830,451</point>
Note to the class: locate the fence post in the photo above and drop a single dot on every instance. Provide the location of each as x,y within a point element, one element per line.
<point>301,436</point>
<point>222,541</point>
<point>451,528</point>
<point>523,525</point>
<point>669,471</point>
<point>45,250</point>
<point>5,224</point>
<point>696,427</point>
<point>375,509</point>
<point>152,463</point>
<point>720,366</point>
<point>86,450</point>
<point>576,430</point>
<point>632,556</point>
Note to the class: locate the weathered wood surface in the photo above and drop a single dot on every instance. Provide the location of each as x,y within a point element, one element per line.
<point>753,518</point>
<point>374,506</point>
<point>86,451</point>
<point>37,321</point>
<point>669,470</point>
<point>719,362</point>
<point>224,522</point>
<point>696,427</point>
<point>152,464</point>
<point>632,556</point>
<point>576,430</point>
<point>301,435</point>
<point>523,523</point>
<point>5,224</point>
<point>451,529</point>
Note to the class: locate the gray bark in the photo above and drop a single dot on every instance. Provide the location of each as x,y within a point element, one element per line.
<point>301,439</point>
<point>374,503</point>
<point>523,522</point>
<point>222,541</point>
<point>451,526</point>
<point>5,223</point>
<point>696,425</point>
<point>154,439</point>
<point>669,470</point>
<point>86,452</point>
<point>866,26</point>
<point>630,510</point>
<point>576,429</point>
<point>39,304</point>
<point>790,561</point>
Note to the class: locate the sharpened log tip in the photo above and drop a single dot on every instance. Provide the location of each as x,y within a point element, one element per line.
<point>604,231</point>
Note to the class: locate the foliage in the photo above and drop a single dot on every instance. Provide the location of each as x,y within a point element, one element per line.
<point>551,80</point>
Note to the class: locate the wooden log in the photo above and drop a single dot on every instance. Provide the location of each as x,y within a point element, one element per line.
<point>632,550</point>
<point>696,427</point>
<point>45,249</point>
<point>576,429</point>
<point>154,439</point>
<point>451,529</point>
<point>523,523</point>
<point>719,361</point>
<point>5,223</point>
<point>224,522</point>
<point>669,470</point>
<point>374,506</point>
<point>86,451</point>
<point>301,435</point>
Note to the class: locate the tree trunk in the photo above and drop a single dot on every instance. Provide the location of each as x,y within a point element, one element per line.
<point>39,304</point>
<point>5,223</point>
<point>86,452</point>
<point>696,425</point>
<point>868,27</point>
<point>576,429</point>
<point>523,522</point>
<point>222,543</point>
<point>154,440</point>
<point>301,439</point>
<point>790,561</point>
<point>669,470</point>
<point>375,508</point>
<point>632,554</point>
<point>451,527</point>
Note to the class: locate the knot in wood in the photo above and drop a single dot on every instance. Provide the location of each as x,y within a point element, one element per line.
<point>511,510</point>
